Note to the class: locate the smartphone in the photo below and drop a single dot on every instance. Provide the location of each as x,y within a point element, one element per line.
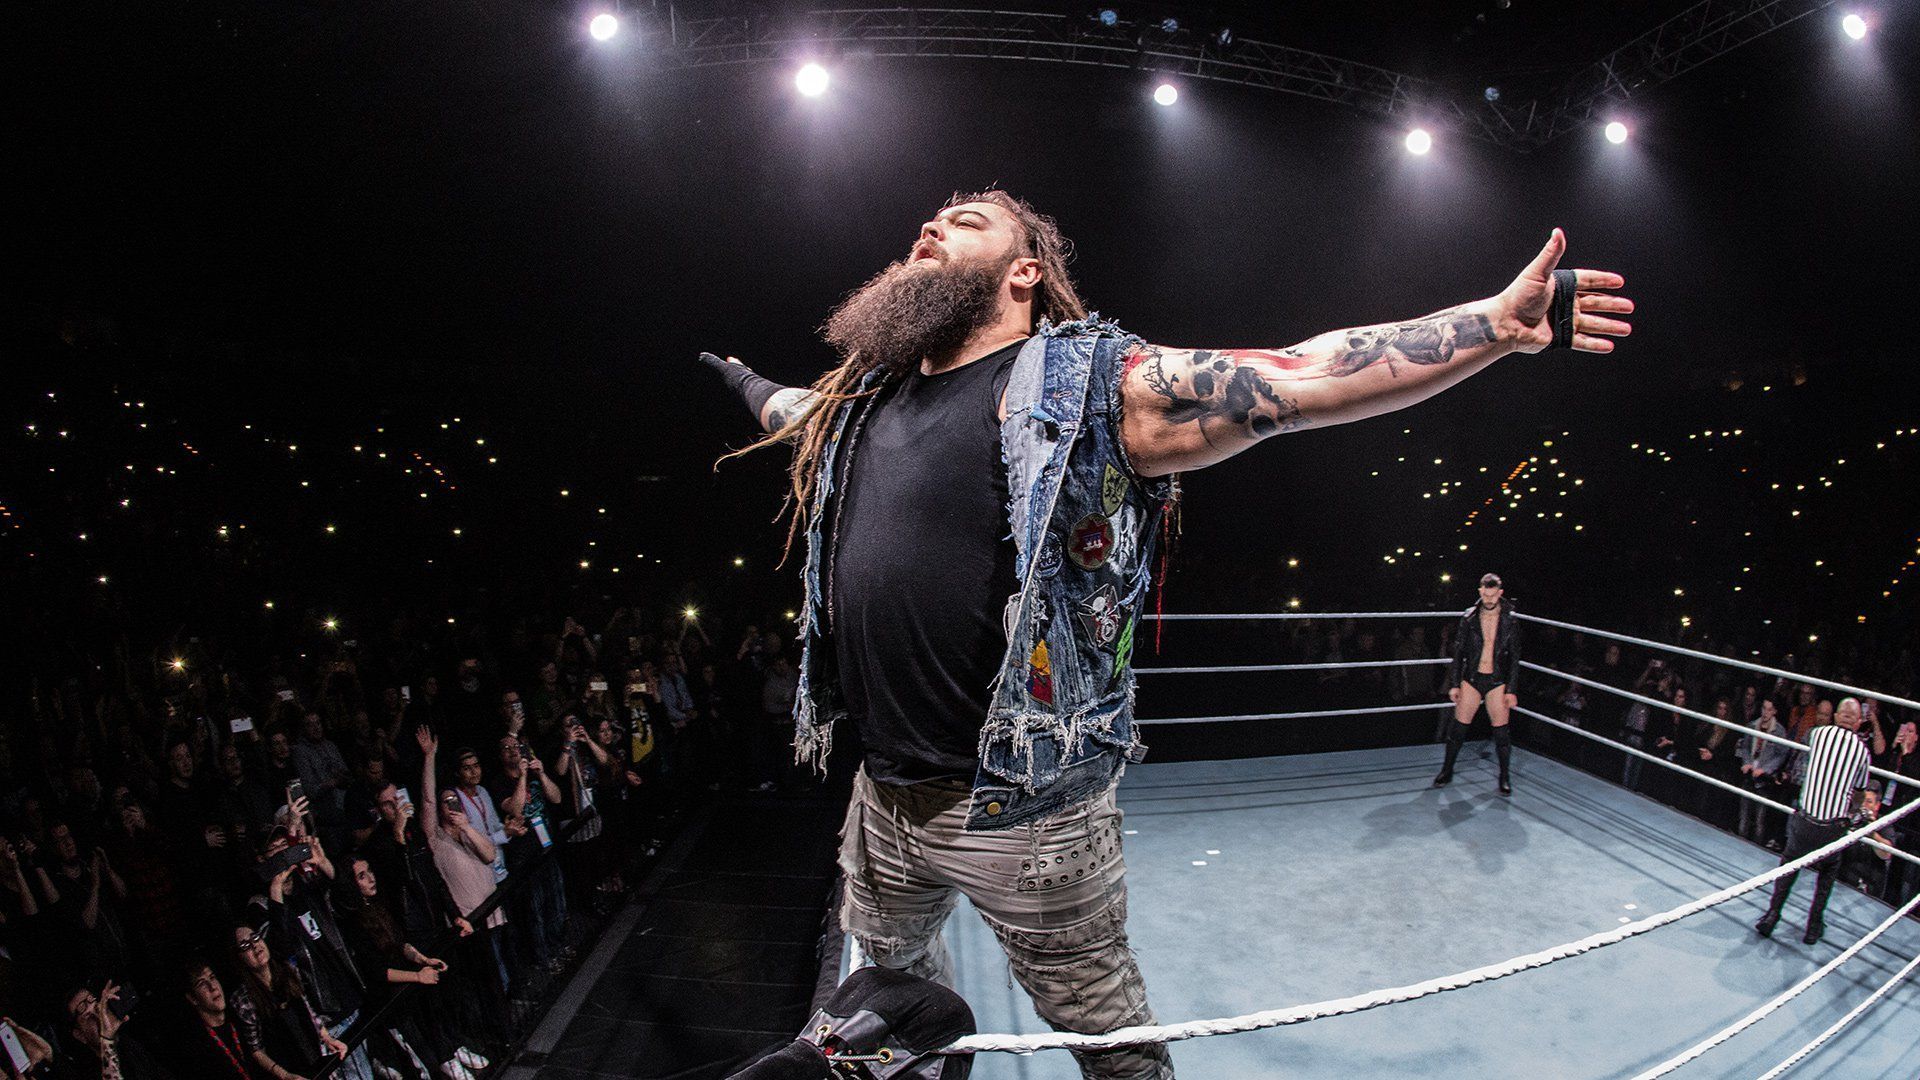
<point>406,800</point>
<point>406,694</point>
<point>526,754</point>
<point>240,723</point>
<point>123,1005</point>
<point>287,859</point>
<point>634,689</point>
<point>16,1053</point>
<point>295,789</point>
<point>450,801</point>
<point>598,686</point>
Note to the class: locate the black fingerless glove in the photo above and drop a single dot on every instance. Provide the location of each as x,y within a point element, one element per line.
<point>753,390</point>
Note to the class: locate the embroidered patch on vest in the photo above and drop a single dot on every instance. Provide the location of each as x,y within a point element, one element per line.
<point>1113,490</point>
<point>1090,542</point>
<point>1100,614</point>
<point>1049,556</point>
<point>1040,675</point>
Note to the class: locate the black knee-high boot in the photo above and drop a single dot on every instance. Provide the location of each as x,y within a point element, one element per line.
<point>1456,733</point>
<point>1503,749</point>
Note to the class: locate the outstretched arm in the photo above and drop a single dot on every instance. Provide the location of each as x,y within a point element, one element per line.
<point>773,405</point>
<point>1185,409</point>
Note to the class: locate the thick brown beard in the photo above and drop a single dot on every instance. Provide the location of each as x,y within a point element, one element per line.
<point>907,313</point>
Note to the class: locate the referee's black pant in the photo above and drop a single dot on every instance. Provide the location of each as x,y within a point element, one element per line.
<point>1804,834</point>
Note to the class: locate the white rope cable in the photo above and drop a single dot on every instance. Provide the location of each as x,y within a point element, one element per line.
<point>1295,715</point>
<point>1697,654</point>
<point>1267,616</point>
<point>1220,668</point>
<point>1835,1028</point>
<point>1767,1009</point>
<point>1193,1029</point>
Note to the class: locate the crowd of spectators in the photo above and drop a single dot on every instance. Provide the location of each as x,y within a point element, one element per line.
<point>1745,702</point>
<point>365,857</point>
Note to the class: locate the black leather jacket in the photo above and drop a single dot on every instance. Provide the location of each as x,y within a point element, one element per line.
<point>1506,647</point>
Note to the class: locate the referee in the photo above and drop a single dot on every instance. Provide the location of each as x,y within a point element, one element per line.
<point>1836,771</point>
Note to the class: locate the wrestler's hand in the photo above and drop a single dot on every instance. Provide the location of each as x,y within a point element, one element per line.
<point>1520,316</point>
<point>1453,695</point>
<point>718,364</point>
<point>1512,701</point>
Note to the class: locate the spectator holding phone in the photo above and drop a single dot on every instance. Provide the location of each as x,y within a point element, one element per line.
<point>302,929</point>
<point>104,1042</point>
<point>465,856</point>
<point>541,908</point>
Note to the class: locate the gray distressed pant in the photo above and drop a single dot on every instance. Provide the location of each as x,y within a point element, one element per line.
<point>1054,892</point>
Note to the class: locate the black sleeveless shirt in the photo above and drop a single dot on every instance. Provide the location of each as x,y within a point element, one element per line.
<point>922,568</point>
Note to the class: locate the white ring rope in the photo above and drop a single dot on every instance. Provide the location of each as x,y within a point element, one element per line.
<point>1311,714</point>
<point>1834,1029</point>
<point>1778,1000</point>
<point>1220,668</point>
<point>1193,1029</point>
<point>1698,655</point>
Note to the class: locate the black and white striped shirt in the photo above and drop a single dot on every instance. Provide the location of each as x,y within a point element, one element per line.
<point>1836,768</point>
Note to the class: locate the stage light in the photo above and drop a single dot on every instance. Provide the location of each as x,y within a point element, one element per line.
<point>1616,132</point>
<point>178,665</point>
<point>812,80</point>
<point>1166,94</point>
<point>604,26</point>
<point>1108,17</point>
<point>332,624</point>
<point>1491,93</point>
<point>1855,26</point>
<point>691,612</point>
<point>1224,37</point>
<point>1418,141</point>
<point>1170,25</point>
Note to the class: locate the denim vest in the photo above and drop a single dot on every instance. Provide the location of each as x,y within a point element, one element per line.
<point>1059,728</point>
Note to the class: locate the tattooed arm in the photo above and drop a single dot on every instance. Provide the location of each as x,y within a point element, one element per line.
<point>1185,409</point>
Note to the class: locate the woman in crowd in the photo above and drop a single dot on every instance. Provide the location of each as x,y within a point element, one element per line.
<point>278,1028</point>
<point>381,950</point>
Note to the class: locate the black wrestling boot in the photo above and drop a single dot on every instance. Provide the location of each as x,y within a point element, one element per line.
<point>1455,735</point>
<point>1815,928</point>
<point>1503,749</point>
<point>1765,926</point>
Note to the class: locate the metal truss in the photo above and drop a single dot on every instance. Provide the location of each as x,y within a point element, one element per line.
<point>1704,31</point>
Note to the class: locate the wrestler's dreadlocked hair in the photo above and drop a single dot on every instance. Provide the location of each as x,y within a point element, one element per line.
<point>1055,298</point>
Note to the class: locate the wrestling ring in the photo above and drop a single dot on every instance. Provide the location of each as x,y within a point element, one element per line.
<point>1346,881</point>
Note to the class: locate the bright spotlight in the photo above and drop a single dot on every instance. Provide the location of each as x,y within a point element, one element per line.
<point>1616,132</point>
<point>812,80</point>
<point>603,26</point>
<point>1418,141</point>
<point>1855,26</point>
<point>1109,17</point>
<point>1166,94</point>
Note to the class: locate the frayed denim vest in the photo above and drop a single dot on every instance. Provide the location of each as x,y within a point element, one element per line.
<point>1059,728</point>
